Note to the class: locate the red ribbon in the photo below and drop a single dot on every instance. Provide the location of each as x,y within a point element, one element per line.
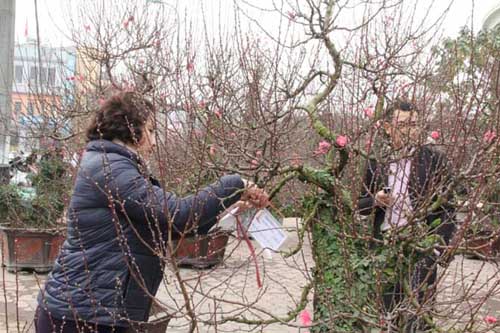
<point>242,233</point>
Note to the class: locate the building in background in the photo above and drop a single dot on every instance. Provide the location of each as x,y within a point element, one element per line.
<point>42,89</point>
<point>7,26</point>
<point>92,84</point>
<point>492,19</point>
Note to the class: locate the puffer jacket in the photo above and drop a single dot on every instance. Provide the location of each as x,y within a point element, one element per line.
<point>118,222</point>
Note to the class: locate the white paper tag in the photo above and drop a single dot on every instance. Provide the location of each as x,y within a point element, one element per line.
<point>264,228</point>
<point>267,231</point>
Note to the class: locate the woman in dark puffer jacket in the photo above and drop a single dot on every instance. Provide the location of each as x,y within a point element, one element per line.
<point>118,221</point>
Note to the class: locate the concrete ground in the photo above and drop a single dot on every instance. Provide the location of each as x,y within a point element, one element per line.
<point>233,292</point>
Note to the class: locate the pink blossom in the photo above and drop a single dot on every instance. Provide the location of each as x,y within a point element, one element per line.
<point>212,150</point>
<point>341,140</point>
<point>292,15</point>
<point>255,163</point>
<point>131,18</point>
<point>305,318</point>
<point>232,134</point>
<point>100,101</point>
<point>202,104</point>
<point>258,153</point>
<point>86,27</point>
<point>435,135</point>
<point>490,320</point>
<point>368,112</point>
<point>218,113</point>
<point>190,67</point>
<point>323,148</point>
<point>489,136</point>
<point>125,24</point>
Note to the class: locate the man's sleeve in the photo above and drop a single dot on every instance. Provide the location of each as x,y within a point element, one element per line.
<point>366,202</point>
<point>446,211</point>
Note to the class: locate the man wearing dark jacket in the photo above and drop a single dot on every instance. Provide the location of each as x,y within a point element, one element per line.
<point>401,190</point>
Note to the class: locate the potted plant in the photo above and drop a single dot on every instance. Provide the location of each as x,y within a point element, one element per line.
<point>31,216</point>
<point>484,235</point>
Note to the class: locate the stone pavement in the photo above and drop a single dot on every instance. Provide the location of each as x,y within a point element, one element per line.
<point>231,290</point>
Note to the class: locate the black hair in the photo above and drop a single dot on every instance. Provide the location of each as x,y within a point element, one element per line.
<point>399,104</point>
<point>123,117</point>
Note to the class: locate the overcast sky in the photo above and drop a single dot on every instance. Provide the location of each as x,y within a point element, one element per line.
<point>53,15</point>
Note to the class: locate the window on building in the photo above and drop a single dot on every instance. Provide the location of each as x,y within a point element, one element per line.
<point>18,74</point>
<point>14,137</point>
<point>17,109</point>
<point>33,73</point>
<point>51,79</point>
<point>43,75</point>
<point>30,109</point>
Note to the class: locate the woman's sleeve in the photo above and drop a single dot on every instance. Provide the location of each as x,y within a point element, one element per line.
<point>140,200</point>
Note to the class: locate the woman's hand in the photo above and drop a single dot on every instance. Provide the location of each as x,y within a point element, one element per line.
<point>256,197</point>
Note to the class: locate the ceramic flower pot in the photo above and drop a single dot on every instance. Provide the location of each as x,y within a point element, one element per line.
<point>30,249</point>
<point>201,251</point>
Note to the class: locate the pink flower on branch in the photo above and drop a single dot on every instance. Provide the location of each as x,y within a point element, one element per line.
<point>435,135</point>
<point>490,320</point>
<point>190,66</point>
<point>218,113</point>
<point>489,136</point>
<point>292,15</point>
<point>323,148</point>
<point>86,27</point>
<point>368,112</point>
<point>305,318</point>
<point>127,21</point>
<point>342,141</point>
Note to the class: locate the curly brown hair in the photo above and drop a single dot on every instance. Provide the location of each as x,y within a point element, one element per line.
<point>123,116</point>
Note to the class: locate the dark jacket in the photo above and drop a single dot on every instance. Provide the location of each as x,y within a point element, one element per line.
<point>429,178</point>
<point>118,222</point>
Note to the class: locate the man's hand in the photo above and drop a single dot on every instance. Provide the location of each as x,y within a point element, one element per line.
<point>383,199</point>
<point>255,196</point>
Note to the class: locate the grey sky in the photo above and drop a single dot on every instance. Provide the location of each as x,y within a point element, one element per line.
<point>53,15</point>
